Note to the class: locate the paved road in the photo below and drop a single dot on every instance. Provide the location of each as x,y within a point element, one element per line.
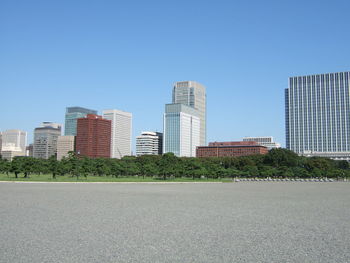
<point>230,222</point>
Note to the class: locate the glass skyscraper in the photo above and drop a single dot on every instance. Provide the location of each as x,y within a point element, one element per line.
<point>193,94</point>
<point>72,114</point>
<point>181,130</point>
<point>318,115</point>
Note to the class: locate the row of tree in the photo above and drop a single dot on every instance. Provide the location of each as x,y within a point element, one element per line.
<point>277,163</point>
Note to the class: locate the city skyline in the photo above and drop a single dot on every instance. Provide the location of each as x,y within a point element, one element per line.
<point>243,52</point>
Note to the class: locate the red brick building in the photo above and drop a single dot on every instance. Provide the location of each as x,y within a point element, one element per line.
<point>93,136</point>
<point>230,149</point>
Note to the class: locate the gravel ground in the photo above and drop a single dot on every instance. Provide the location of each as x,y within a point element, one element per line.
<point>229,222</point>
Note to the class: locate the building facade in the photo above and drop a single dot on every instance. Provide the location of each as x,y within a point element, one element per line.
<point>93,137</point>
<point>72,114</point>
<point>15,138</point>
<point>266,141</point>
<point>193,94</point>
<point>65,144</point>
<point>318,115</point>
<point>45,140</point>
<point>13,143</point>
<point>121,132</point>
<point>181,130</point>
<point>231,149</point>
<point>149,143</point>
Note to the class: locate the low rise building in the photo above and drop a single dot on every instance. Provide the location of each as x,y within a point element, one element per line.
<point>266,141</point>
<point>231,149</point>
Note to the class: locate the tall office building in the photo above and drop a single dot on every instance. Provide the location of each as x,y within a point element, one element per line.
<point>15,138</point>
<point>149,143</point>
<point>93,137</point>
<point>318,115</point>
<point>13,144</point>
<point>45,140</point>
<point>181,130</point>
<point>65,144</point>
<point>266,141</point>
<point>121,132</point>
<point>72,114</point>
<point>193,94</point>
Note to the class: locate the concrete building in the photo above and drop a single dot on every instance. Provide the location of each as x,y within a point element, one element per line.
<point>15,138</point>
<point>121,132</point>
<point>13,144</point>
<point>181,130</point>
<point>231,149</point>
<point>93,137</point>
<point>45,140</point>
<point>65,144</point>
<point>318,115</point>
<point>266,141</point>
<point>193,94</point>
<point>72,114</point>
<point>149,143</point>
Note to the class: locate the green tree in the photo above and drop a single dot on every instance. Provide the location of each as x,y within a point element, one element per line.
<point>167,164</point>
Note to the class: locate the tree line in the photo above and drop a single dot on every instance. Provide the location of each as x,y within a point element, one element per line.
<point>280,163</point>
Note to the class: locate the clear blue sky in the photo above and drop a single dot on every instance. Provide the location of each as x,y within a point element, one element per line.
<point>127,54</point>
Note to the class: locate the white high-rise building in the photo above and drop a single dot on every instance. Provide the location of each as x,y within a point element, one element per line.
<point>318,115</point>
<point>181,130</point>
<point>149,143</point>
<point>13,144</point>
<point>266,141</point>
<point>65,144</point>
<point>193,94</point>
<point>45,140</point>
<point>121,132</point>
<point>15,138</point>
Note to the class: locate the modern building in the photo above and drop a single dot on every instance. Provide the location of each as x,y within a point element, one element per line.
<point>266,141</point>
<point>181,130</point>
<point>193,94</point>
<point>45,140</point>
<point>65,144</point>
<point>121,132</point>
<point>13,143</point>
<point>318,115</point>
<point>15,138</point>
<point>149,143</point>
<point>231,149</point>
<point>72,114</point>
<point>93,137</point>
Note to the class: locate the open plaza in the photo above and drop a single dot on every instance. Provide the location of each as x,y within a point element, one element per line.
<point>175,222</point>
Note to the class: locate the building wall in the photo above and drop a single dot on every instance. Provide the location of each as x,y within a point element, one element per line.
<point>65,144</point>
<point>193,94</point>
<point>16,138</point>
<point>149,143</point>
<point>230,151</point>
<point>266,141</point>
<point>72,114</point>
<point>181,130</point>
<point>45,140</point>
<point>121,132</point>
<point>318,113</point>
<point>93,136</point>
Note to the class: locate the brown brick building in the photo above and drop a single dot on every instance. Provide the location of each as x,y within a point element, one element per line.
<point>230,149</point>
<point>93,136</point>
